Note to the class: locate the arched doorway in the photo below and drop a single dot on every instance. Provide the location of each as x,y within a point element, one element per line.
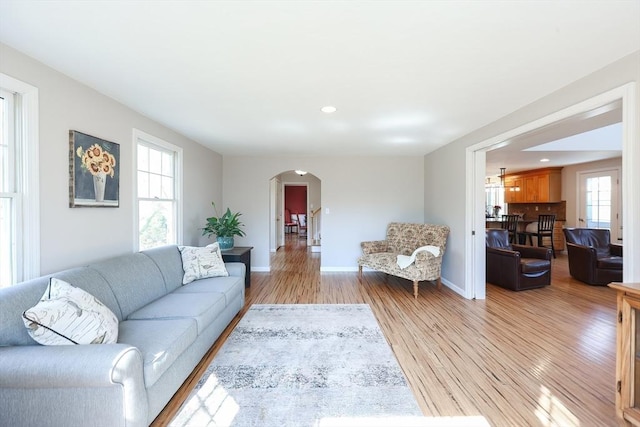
<point>299,194</point>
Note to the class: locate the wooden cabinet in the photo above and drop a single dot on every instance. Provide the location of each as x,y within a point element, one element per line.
<point>536,186</point>
<point>628,352</point>
<point>513,193</point>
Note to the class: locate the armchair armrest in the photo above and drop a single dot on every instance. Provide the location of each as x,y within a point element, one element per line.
<point>424,259</point>
<point>581,253</point>
<point>533,252</point>
<point>374,246</point>
<point>502,253</point>
<point>615,249</point>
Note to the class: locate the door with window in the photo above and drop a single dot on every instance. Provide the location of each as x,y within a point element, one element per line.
<point>599,198</point>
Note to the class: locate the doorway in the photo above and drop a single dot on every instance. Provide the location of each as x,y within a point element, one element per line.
<point>598,202</point>
<point>292,192</point>
<point>476,159</point>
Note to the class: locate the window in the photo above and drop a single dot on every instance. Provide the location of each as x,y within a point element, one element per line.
<point>158,192</point>
<point>19,213</point>
<point>10,198</point>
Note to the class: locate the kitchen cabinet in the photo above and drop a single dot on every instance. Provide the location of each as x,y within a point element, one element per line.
<point>536,186</point>
<point>514,190</point>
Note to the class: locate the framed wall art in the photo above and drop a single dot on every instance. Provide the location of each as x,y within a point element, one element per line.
<point>94,171</point>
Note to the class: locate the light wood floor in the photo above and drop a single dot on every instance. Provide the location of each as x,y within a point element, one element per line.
<point>543,357</point>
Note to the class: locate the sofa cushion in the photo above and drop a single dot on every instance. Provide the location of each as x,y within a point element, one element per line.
<point>67,315</point>
<point>169,262</point>
<point>230,287</point>
<point>203,307</point>
<point>200,263</point>
<point>610,262</point>
<point>161,342</point>
<point>134,279</point>
<point>387,262</point>
<point>534,265</point>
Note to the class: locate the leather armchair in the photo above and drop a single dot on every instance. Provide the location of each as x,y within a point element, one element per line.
<point>593,259</point>
<point>516,267</point>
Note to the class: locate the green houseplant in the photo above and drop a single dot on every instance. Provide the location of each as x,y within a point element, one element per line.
<point>224,227</point>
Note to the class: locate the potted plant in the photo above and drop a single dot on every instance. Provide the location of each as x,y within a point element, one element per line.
<point>224,227</point>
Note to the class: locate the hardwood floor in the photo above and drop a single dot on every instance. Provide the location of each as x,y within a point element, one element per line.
<point>544,357</point>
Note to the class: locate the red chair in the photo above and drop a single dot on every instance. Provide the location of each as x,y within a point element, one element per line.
<point>290,222</point>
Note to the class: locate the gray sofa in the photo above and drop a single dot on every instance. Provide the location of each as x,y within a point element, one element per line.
<point>165,328</point>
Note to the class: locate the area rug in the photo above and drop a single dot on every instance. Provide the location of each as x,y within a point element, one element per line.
<point>301,365</point>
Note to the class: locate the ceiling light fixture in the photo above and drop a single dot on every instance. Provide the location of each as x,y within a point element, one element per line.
<point>301,172</point>
<point>506,187</point>
<point>544,160</point>
<point>329,109</point>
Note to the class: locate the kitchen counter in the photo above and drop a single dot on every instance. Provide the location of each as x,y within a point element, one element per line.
<point>558,235</point>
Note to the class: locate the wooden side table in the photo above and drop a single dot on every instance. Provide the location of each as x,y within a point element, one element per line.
<point>628,352</point>
<point>240,254</point>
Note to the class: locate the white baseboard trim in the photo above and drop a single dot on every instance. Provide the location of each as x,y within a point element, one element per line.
<point>337,269</point>
<point>458,290</point>
<point>260,269</point>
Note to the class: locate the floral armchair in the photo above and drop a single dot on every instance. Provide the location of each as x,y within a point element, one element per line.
<point>417,243</point>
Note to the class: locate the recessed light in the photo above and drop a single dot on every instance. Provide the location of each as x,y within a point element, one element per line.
<point>544,160</point>
<point>328,109</point>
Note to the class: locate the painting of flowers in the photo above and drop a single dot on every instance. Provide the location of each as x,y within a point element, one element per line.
<point>94,178</point>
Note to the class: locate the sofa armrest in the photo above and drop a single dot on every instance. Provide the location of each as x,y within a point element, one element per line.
<point>237,269</point>
<point>615,249</point>
<point>48,372</point>
<point>533,252</point>
<point>374,246</point>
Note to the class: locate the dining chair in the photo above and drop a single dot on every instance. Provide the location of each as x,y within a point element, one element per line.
<point>291,221</point>
<point>510,223</point>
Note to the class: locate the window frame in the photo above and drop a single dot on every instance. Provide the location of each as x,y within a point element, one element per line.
<point>26,132</point>
<point>140,137</point>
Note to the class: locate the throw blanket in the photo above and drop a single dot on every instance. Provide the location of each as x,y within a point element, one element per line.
<point>405,261</point>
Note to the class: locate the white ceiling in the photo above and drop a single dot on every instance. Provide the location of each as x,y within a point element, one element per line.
<point>587,137</point>
<point>250,77</point>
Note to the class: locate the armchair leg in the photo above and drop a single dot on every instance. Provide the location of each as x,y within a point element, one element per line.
<point>415,289</point>
<point>360,271</point>
<point>439,283</point>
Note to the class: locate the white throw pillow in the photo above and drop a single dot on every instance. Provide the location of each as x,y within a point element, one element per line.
<point>68,315</point>
<point>200,263</point>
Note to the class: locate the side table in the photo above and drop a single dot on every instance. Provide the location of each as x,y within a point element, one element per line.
<point>240,254</point>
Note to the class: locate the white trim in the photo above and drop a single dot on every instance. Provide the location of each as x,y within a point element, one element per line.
<point>630,177</point>
<point>29,132</point>
<point>140,136</point>
<point>475,195</point>
<point>630,183</point>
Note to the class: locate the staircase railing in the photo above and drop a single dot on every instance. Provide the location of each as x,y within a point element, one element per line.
<point>315,226</point>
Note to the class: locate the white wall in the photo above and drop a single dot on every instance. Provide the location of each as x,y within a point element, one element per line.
<point>570,184</point>
<point>72,237</point>
<point>450,161</point>
<point>363,194</point>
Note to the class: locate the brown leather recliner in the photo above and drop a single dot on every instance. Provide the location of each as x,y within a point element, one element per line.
<point>593,259</point>
<point>516,267</point>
